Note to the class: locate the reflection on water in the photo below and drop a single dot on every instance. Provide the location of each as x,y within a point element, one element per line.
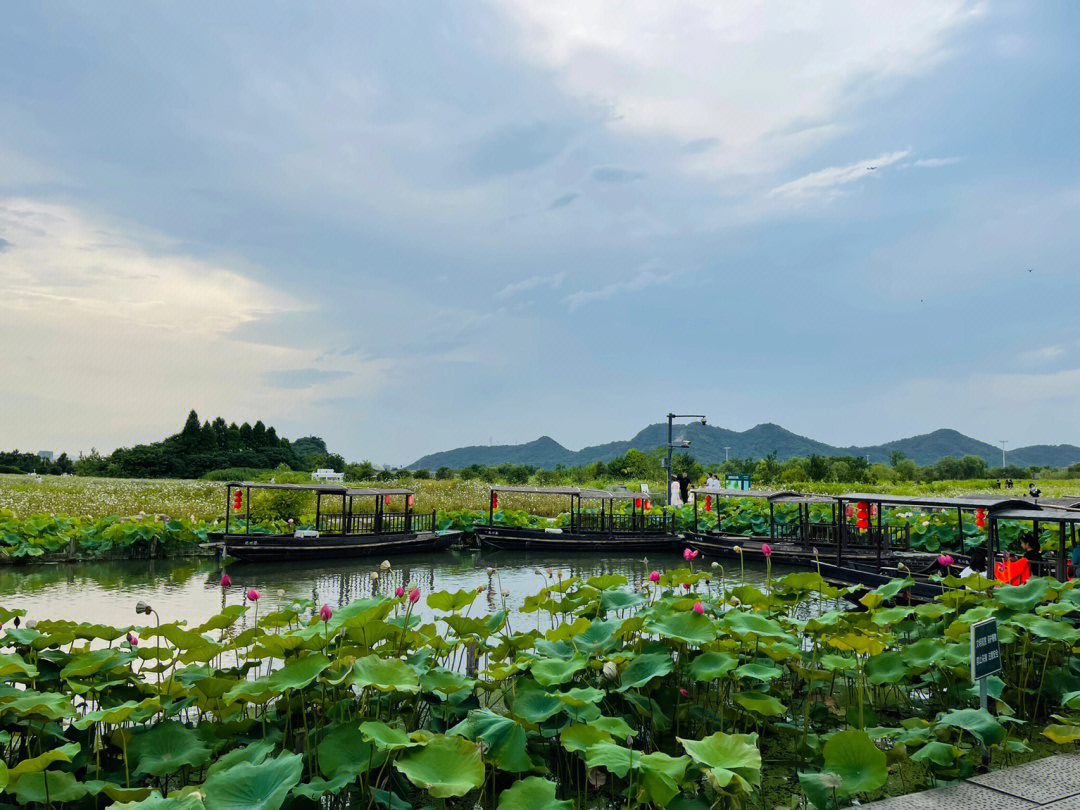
<point>189,590</point>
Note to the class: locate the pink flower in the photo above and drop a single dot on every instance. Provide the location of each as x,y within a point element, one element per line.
<point>698,607</point>
<point>686,585</point>
<point>325,613</point>
<point>253,595</point>
<point>684,693</point>
<point>399,591</point>
<point>226,581</point>
<point>654,576</point>
<point>689,554</point>
<point>133,640</point>
<point>945,560</point>
<point>414,595</point>
<point>766,549</point>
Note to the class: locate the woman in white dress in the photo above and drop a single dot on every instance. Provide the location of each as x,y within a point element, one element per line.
<point>676,494</point>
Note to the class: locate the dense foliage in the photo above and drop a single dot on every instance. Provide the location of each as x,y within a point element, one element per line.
<point>677,692</point>
<point>15,462</point>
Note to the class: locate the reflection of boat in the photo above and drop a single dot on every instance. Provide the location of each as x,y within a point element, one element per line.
<point>336,534</point>
<point>586,529</point>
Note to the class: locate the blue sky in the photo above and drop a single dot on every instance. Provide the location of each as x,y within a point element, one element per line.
<point>410,227</point>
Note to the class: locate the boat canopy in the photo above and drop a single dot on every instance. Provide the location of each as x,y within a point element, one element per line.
<point>990,504</point>
<point>326,489</point>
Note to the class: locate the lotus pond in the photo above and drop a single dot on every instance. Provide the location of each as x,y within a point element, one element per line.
<point>517,688</point>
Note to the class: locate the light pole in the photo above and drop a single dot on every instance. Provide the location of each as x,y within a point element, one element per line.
<point>671,417</point>
<point>1003,442</point>
<point>726,448</point>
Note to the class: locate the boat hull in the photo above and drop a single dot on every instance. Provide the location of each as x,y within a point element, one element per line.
<point>269,548</point>
<point>513,538</point>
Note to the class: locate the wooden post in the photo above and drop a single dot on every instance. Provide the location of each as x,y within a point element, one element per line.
<point>841,527</point>
<point>880,535</point>
<point>228,506</point>
<point>772,521</point>
<point>248,511</point>
<point>318,510</point>
<point>1061,553</point>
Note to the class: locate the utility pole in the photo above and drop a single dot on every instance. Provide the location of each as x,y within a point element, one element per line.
<point>671,417</point>
<point>1003,442</point>
<point>726,448</point>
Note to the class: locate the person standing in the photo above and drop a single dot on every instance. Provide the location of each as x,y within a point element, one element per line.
<point>676,492</point>
<point>684,488</point>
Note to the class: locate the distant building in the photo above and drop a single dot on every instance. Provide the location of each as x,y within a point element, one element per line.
<point>47,455</point>
<point>323,474</point>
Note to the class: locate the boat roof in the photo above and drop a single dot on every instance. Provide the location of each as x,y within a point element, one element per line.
<point>1041,515</point>
<point>970,502</point>
<point>801,497</point>
<point>324,489</point>
<point>359,491</point>
<point>720,492</point>
<point>538,490</point>
<point>613,494</point>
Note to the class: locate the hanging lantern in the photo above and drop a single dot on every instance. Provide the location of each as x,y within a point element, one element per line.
<point>980,518</point>
<point>862,515</point>
<point>648,506</point>
<point>238,499</point>
<point>494,500</point>
<point>849,510</point>
<point>708,503</point>
<point>386,499</point>
<point>637,503</point>
<point>873,510</point>
<point>409,500</point>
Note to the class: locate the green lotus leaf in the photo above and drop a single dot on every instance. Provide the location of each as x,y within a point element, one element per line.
<point>1022,598</point>
<point>889,667</point>
<point>923,653</point>
<point>155,802</point>
<point>859,763</point>
<point>532,793</point>
<point>390,800</point>
<point>938,753</point>
<point>385,737</point>
<point>444,767</point>
<point>90,663</point>
<point>553,671</point>
<point>759,703</point>
<point>661,775</point>
<point>1062,735</point>
<point>166,748</point>
<point>890,616</point>
<point>579,696</point>
<point>689,627</point>
<point>385,674</point>
<point>644,668</point>
<point>254,753</point>
<point>295,675</point>
<point>578,737</point>
<point>820,788</point>
<point>140,711</point>
<point>759,672</point>
<point>977,722</point>
<point>440,679</point>
<point>504,739</point>
<point>50,705</point>
<point>62,787</point>
<point>621,600</point>
<point>344,751</point>
<point>536,706</point>
<point>751,626</point>
<point>727,756</point>
<point>12,665</point>
<point>449,602</point>
<point>245,786</point>
<point>712,665</point>
<point>615,726</point>
<point>317,787</point>
<point>39,763</point>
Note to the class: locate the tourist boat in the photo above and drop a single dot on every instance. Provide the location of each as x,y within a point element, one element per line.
<point>342,528</point>
<point>586,528</point>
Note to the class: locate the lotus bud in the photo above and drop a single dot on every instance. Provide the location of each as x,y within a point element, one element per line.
<point>399,591</point>
<point>737,549</point>
<point>385,565</point>
<point>689,554</point>
<point>226,580</point>
<point>550,571</point>
<point>735,601</point>
<point>281,593</point>
<point>254,595</point>
<point>31,624</point>
<point>490,571</point>
<point>480,588</point>
<point>684,693</point>
<point>654,576</point>
<point>132,640</point>
<point>414,596</point>
<point>715,564</point>
<point>325,613</point>
<point>686,585</point>
<point>506,591</point>
<point>945,560</point>
<point>374,576</point>
<point>610,670</point>
<point>698,607</point>
<point>766,549</point>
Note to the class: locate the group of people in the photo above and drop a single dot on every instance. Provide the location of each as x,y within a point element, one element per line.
<point>680,491</point>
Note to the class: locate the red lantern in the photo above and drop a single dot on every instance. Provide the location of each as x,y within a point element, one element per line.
<point>494,500</point>
<point>238,499</point>
<point>980,518</point>
<point>849,510</point>
<point>708,503</point>
<point>386,499</point>
<point>637,503</point>
<point>409,500</point>
<point>648,506</point>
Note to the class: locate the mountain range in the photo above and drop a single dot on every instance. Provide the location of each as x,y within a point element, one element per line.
<point>708,445</point>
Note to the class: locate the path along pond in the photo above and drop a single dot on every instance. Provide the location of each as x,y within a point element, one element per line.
<point>189,589</point>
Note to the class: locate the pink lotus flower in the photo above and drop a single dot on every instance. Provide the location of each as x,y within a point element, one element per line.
<point>698,607</point>
<point>399,591</point>
<point>325,613</point>
<point>686,585</point>
<point>766,549</point>
<point>253,595</point>
<point>654,576</point>
<point>132,639</point>
<point>226,581</point>
<point>689,554</point>
<point>684,693</point>
<point>945,560</point>
<point>414,595</point>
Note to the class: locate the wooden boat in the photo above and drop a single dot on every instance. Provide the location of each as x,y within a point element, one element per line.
<point>346,532</point>
<point>587,529</point>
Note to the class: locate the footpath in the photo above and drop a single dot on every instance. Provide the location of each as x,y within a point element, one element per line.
<point>1052,783</point>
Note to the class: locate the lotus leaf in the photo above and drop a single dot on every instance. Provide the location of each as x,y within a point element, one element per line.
<point>758,672</point>
<point>859,763</point>
<point>689,627</point>
<point>254,753</point>
<point>532,793</point>
<point>978,722</point>
<point>385,737</point>
<point>759,703</point>
<point>166,748</point>
<point>578,737</point>
<point>385,674</point>
<point>12,665</point>
<point>344,751</point>
<point>712,665</point>
<point>39,763</point>
<point>450,602</point>
<point>504,739</point>
<point>727,756</point>
<point>553,671</point>
<point>246,786</point>
<point>889,667</point>
<point>938,753</point>
<point>536,706</point>
<point>155,802</point>
<point>48,786</point>
<point>643,669</point>
<point>445,766</point>
<point>1062,734</point>
<point>752,626</point>
<point>661,775</point>
<point>1022,598</point>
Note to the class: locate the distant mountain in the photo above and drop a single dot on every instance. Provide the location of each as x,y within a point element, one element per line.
<point>708,443</point>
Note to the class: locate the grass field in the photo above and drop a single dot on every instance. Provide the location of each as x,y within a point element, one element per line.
<point>26,495</point>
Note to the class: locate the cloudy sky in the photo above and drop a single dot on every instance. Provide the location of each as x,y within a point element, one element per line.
<point>407,227</point>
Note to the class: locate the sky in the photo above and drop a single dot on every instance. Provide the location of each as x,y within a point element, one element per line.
<point>410,227</point>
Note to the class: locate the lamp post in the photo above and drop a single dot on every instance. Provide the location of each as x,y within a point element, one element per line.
<point>671,417</point>
<point>1003,442</point>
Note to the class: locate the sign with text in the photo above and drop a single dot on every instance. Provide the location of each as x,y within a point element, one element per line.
<point>985,651</point>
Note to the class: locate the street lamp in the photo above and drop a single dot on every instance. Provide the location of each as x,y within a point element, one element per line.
<point>1003,442</point>
<point>671,417</point>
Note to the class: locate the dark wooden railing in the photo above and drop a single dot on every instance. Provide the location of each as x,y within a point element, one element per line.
<point>376,523</point>
<point>645,524</point>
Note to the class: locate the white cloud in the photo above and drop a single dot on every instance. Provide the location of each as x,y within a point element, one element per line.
<point>1043,355</point>
<point>933,163</point>
<point>827,182</point>
<point>645,277</point>
<point>107,341</point>
<point>552,282</point>
<point>767,81</point>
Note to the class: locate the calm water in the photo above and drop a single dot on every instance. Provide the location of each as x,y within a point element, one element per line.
<point>189,590</point>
